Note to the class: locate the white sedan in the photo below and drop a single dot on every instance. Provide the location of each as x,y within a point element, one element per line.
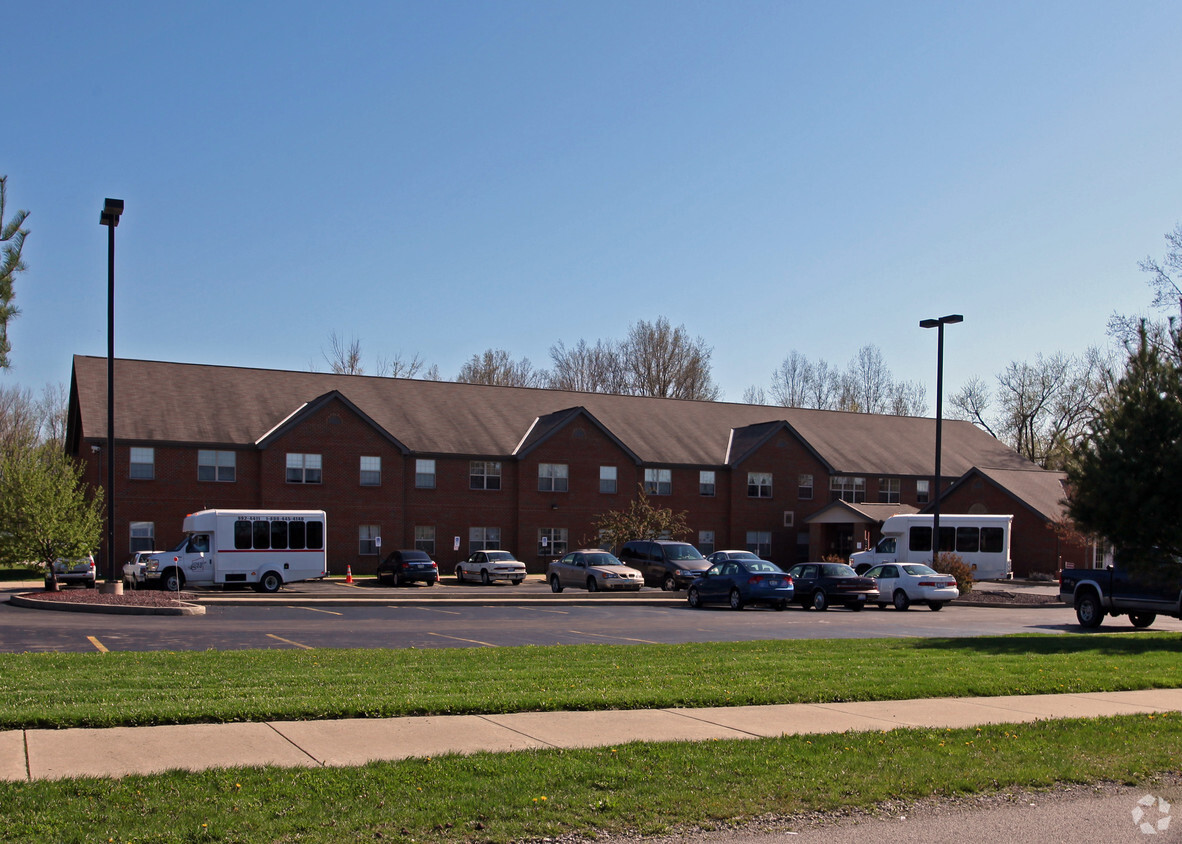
<point>913,583</point>
<point>487,566</point>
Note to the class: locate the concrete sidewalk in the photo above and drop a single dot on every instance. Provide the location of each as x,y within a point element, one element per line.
<point>121,751</point>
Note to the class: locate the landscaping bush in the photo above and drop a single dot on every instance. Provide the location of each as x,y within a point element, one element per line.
<point>953,564</point>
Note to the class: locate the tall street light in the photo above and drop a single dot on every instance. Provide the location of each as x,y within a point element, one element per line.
<point>938,324</point>
<point>112,209</point>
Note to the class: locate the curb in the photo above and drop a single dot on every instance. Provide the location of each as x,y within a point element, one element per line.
<point>116,609</point>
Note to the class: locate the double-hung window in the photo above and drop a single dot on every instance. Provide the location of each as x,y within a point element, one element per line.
<point>484,474</point>
<point>551,542</point>
<point>216,465</point>
<point>425,539</point>
<point>483,538</point>
<point>371,471</point>
<point>303,469</point>
<point>658,481</point>
<point>759,484</point>
<point>888,490</point>
<point>367,538</point>
<point>143,464</point>
<point>847,488</point>
<point>706,483</point>
<point>553,477</point>
<point>425,478</point>
<point>607,479</point>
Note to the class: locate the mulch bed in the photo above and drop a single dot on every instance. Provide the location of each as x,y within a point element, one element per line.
<point>1010,598</point>
<point>138,598</point>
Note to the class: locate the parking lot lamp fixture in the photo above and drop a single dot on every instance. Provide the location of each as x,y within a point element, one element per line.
<point>938,324</point>
<point>112,210</point>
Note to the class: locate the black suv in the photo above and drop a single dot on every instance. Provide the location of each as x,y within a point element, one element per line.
<point>670,565</point>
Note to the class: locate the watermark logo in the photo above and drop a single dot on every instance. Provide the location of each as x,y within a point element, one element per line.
<point>1152,815</point>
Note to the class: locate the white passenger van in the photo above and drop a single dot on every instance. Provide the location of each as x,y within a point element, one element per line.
<point>983,542</point>
<point>264,548</point>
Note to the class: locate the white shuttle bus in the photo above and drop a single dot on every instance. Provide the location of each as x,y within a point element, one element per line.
<point>263,548</point>
<point>983,542</point>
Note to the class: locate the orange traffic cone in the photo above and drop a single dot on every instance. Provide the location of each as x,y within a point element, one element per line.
<point>348,574</point>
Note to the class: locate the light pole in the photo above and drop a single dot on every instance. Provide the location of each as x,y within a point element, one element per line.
<point>112,209</point>
<point>938,324</point>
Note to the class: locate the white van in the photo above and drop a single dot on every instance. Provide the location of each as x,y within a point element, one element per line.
<point>983,542</point>
<point>264,548</point>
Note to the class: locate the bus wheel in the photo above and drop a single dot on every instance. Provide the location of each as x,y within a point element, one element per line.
<point>270,583</point>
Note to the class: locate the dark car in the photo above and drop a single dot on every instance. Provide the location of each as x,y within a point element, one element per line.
<point>670,565</point>
<point>742,582</point>
<point>723,556</point>
<point>820,584</point>
<point>407,567</point>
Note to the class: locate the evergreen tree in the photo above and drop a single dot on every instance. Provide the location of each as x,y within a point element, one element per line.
<point>1124,476</point>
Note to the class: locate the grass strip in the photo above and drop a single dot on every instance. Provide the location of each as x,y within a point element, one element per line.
<point>650,788</point>
<point>128,689</point>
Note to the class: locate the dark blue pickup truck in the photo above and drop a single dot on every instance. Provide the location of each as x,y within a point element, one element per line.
<point>1142,589</point>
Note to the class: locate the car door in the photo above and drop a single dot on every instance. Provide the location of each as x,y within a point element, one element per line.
<point>806,581</point>
<point>887,578</point>
<point>714,583</point>
<point>476,561</point>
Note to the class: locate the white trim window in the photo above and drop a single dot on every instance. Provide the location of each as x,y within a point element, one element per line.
<point>759,543</point>
<point>483,538</point>
<point>553,477</point>
<point>484,474</point>
<point>847,488</point>
<point>706,483</point>
<point>759,484</point>
<point>923,491</point>
<point>425,479</point>
<point>889,489</point>
<point>370,471</point>
<point>143,463</point>
<point>303,469</point>
<point>425,539</point>
<point>367,539</point>
<point>658,481</point>
<point>551,542</point>
<point>216,465</point>
<point>143,536</point>
<point>804,487</point>
<point>706,542</point>
<point>607,480</point>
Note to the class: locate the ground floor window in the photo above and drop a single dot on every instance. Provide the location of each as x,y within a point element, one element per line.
<point>551,542</point>
<point>367,536</point>
<point>483,538</point>
<point>759,542</point>
<point>425,539</point>
<point>143,536</point>
<point>706,542</point>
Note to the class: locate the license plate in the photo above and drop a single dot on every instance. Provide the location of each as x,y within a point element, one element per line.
<point>862,599</point>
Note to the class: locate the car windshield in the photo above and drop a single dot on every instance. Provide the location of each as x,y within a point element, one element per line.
<point>837,570</point>
<point>500,556</point>
<point>916,568</point>
<point>604,559</point>
<point>682,552</point>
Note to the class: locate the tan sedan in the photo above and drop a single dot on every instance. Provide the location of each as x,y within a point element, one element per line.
<point>593,570</point>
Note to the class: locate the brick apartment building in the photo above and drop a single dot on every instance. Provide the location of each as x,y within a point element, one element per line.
<point>452,468</point>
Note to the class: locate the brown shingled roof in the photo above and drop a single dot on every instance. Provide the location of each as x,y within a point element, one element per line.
<point>235,406</point>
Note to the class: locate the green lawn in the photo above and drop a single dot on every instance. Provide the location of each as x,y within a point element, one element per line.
<point>640,787</point>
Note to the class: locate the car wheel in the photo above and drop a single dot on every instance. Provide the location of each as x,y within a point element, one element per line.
<point>1142,619</point>
<point>669,584</point>
<point>901,601</point>
<point>736,600</point>
<point>936,606</point>
<point>592,584</point>
<point>781,606</point>
<point>694,597</point>
<point>173,581</point>
<point>820,600</point>
<point>397,578</point>
<point>90,584</point>
<point>1088,611</point>
<point>484,578</point>
<point>881,605</point>
<point>270,583</point>
<point>459,574</point>
<point>555,583</point>
<point>857,606</point>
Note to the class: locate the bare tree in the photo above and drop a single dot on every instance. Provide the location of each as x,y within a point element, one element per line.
<point>399,367</point>
<point>12,235</point>
<point>497,368</point>
<point>907,398</point>
<point>665,362</point>
<point>1043,409</point>
<point>588,369</point>
<point>1166,282</point>
<point>868,381</point>
<point>754,395</point>
<point>791,381</point>
<point>20,422</point>
<point>344,358</point>
<point>52,410</point>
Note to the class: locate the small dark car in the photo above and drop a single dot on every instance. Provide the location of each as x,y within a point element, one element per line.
<point>742,582</point>
<point>820,584</point>
<point>670,565</point>
<point>407,567</point>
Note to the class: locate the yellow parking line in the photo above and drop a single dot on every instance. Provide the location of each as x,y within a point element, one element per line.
<point>316,609</point>
<point>290,642</point>
<point>458,639</point>
<point>446,612</point>
<point>621,638</point>
<point>556,612</point>
<point>102,648</point>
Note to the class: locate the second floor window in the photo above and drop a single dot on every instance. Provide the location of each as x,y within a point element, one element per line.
<point>303,468</point>
<point>484,474</point>
<point>607,479</point>
<point>371,471</point>
<point>425,477</point>
<point>922,495</point>
<point>706,483</point>
<point>804,487</point>
<point>216,465</point>
<point>143,464</point>
<point>848,488</point>
<point>553,477</point>
<point>658,481</point>
<point>759,484</point>
<point>888,490</point>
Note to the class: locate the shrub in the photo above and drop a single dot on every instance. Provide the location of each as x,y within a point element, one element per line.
<point>954,564</point>
<point>834,558</point>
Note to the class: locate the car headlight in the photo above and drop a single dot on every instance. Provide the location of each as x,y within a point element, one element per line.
<point>608,574</point>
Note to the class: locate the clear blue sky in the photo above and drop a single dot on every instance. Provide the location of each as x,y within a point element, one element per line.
<point>444,177</point>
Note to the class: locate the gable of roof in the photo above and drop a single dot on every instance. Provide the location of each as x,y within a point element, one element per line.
<point>843,512</point>
<point>234,406</point>
<point>545,427</point>
<point>1039,490</point>
<point>307,409</point>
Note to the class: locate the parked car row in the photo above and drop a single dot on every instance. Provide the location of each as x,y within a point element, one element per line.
<point>737,578</point>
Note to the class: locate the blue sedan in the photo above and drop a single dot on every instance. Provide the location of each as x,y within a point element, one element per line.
<point>742,582</point>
